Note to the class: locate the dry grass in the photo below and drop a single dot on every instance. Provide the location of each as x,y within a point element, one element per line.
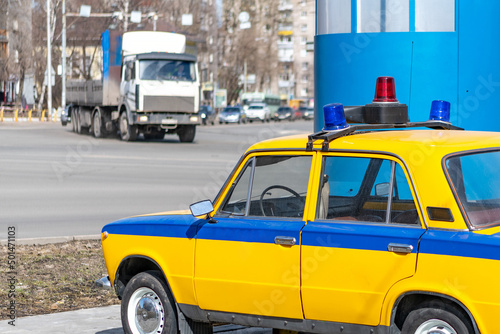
<point>55,278</point>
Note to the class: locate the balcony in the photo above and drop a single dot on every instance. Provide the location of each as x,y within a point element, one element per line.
<point>285,58</point>
<point>285,7</point>
<point>285,45</point>
<point>285,27</point>
<point>285,83</point>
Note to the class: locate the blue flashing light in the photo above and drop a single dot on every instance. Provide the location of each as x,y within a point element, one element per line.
<point>334,117</point>
<point>440,111</point>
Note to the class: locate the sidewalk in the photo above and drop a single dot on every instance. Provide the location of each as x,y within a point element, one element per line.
<point>100,320</point>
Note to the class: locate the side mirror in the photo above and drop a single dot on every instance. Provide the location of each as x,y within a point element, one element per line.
<point>201,208</point>
<point>382,189</point>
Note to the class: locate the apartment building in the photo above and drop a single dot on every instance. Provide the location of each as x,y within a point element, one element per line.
<point>295,62</point>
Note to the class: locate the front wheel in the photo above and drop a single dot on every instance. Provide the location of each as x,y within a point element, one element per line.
<point>127,132</point>
<point>148,306</point>
<point>432,321</point>
<point>187,133</point>
<point>97,125</point>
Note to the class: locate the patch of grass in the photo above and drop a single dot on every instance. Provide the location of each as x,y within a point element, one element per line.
<point>55,278</point>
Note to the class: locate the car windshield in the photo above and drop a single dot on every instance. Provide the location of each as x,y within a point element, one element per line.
<point>232,110</point>
<point>163,69</point>
<point>256,107</point>
<point>476,182</point>
<point>284,109</point>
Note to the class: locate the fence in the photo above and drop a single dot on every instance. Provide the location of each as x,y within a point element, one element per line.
<point>25,115</point>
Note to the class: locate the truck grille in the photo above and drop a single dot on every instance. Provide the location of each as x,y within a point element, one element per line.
<point>169,103</point>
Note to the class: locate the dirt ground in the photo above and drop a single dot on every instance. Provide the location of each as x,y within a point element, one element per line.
<point>53,278</point>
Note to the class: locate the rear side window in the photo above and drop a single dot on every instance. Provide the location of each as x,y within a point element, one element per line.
<point>365,189</point>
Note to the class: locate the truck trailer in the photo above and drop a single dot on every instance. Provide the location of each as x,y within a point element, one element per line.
<point>149,86</point>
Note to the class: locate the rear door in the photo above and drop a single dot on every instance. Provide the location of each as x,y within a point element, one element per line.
<point>363,240</point>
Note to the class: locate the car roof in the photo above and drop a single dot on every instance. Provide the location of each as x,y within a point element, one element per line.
<point>403,143</point>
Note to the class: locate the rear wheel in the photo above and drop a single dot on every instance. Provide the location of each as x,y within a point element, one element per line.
<point>187,133</point>
<point>127,132</point>
<point>97,125</point>
<point>73,120</point>
<point>78,123</point>
<point>148,306</point>
<point>435,321</point>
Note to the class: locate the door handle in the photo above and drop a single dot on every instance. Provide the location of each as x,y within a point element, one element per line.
<point>281,240</point>
<point>400,248</point>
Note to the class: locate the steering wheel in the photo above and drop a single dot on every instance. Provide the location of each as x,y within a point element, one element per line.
<point>276,186</point>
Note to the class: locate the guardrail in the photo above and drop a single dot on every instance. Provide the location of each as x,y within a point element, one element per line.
<point>19,114</point>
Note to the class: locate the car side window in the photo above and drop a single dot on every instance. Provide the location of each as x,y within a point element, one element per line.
<point>271,186</point>
<point>365,189</point>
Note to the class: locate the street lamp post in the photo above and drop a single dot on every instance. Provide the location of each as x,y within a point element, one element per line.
<point>49,63</point>
<point>63,60</point>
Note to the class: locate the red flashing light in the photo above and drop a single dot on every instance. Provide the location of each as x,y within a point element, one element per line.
<point>385,90</point>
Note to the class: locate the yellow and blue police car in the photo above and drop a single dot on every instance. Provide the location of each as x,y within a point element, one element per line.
<point>382,227</point>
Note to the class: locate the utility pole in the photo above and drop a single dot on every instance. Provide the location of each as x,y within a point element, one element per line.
<point>63,61</point>
<point>49,63</point>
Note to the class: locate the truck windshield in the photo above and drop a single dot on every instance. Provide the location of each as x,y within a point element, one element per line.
<point>162,69</point>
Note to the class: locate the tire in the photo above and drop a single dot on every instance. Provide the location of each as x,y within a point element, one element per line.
<point>127,132</point>
<point>432,320</point>
<point>73,120</point>
<point>97,125</point>
<point>187,133</point>
<point>148,306</point>
<point>78,123</point>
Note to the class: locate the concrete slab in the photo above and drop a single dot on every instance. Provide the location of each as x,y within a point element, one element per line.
<point>100,320</point>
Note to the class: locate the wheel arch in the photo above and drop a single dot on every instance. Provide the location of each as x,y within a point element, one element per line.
<point>412,300</point>
<point>133,265</point>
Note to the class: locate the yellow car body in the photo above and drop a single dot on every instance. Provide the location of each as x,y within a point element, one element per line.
<point>315,269</point>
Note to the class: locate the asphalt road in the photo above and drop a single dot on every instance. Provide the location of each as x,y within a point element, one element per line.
<point>54,182</point>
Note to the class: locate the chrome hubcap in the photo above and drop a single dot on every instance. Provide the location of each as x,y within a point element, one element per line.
<point>147,311</point>
<point>435,326</point>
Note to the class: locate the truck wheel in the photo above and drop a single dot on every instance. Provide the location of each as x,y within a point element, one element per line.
<point>431,320</point>
<point>148,306</point>
<point>97,125</point>
<point>186,133</point>
<point>73,120</point>
<point>127,132</point>
<point>78,123</point>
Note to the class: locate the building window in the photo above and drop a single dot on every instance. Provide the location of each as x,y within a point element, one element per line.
<point>386,16</point>
<point>303,40</point>
<point>303,14</point>
<point>303,28</point>
<point>303,52</point>
<point>305,66</point>
<point>303,92</point>
<point>305,78</point>
<point>211,58</point>
<point>303,2</point>
<point>211,40</point>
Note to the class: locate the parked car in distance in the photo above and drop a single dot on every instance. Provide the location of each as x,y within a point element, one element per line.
<point>232,114</point>
<point>284,114</point>
<point>66,115</point>
<point>308,113</point>
<point>258,112</point>
<point>207,115</point>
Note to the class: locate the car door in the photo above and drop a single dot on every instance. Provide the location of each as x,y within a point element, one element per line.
<point>364,238</point>
<point>248,261</point>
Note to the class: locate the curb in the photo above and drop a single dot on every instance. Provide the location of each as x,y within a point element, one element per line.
<point>52,240</point>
